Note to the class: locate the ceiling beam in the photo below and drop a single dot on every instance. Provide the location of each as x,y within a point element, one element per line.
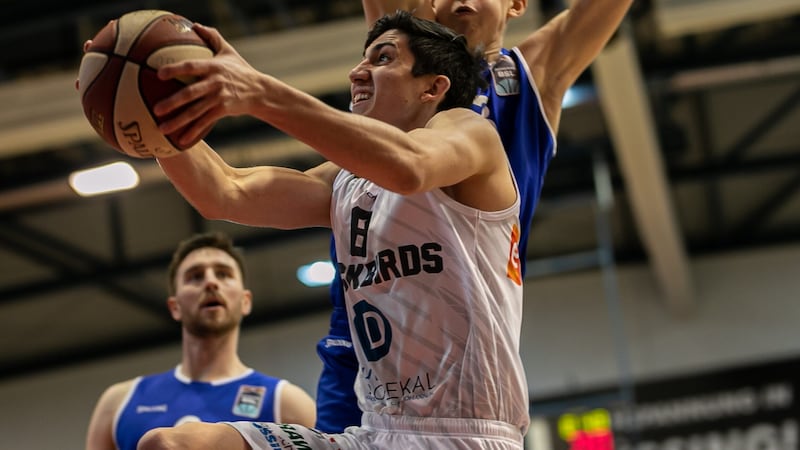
<point>681,17</point>
<point>111,272</point>
<point>629,118</point>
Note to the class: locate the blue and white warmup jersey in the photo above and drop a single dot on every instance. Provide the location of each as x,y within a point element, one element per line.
<point>169,398</point>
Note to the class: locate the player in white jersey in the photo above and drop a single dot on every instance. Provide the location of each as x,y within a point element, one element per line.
<point>432,287</point>
<point>526,86</point>
<point>420,196</point>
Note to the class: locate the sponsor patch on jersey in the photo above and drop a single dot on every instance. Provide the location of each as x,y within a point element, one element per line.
<point>514,268</point>
<point>249,401</point>
<point>505,76</point>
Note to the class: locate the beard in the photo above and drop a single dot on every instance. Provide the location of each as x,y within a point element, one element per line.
<point>204,326</point>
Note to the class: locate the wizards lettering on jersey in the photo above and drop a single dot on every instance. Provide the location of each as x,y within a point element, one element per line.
<point>406,260</point>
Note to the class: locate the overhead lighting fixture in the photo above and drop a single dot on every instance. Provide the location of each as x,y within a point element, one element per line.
<point>318,273</point>
<point>577,95</point>
<point>113,177</point>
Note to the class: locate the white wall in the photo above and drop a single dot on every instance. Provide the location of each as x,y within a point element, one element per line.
<point>746,311</point>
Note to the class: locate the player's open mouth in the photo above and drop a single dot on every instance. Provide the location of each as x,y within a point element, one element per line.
<point>464,10</point>
<point>213,303</point>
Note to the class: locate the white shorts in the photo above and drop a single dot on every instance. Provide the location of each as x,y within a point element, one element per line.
<point>380,431</point>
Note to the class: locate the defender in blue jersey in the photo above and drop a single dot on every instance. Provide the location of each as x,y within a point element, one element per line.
<point>526,87</point>
<point>211,384</point>
<point>171,398</point>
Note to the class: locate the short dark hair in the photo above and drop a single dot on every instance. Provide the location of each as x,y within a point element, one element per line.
<point>437,50</point>
<point>212,239</point>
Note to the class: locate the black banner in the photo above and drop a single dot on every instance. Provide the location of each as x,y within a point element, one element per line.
<point>746,408</point>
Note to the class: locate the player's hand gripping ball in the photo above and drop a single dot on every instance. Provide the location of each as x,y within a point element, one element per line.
<point>118,85</point>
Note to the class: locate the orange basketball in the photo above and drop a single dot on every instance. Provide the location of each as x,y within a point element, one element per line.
<point>117,79</point>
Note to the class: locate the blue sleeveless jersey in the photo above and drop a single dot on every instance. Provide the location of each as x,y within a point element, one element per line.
<point>167,399</point>
<point>512,102</point>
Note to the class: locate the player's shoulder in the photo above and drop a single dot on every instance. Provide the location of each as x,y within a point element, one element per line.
<point>265,376</point>
<point>456,118</point>
<point>124,385</point>
<point>116,393</point>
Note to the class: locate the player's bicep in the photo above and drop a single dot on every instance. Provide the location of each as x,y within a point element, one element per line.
<point>460,144</point>
<point>297,406</point>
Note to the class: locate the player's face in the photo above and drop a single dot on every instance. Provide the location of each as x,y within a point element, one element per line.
<point>382,86</point>
<point>482,22</point>
<point>210,298</point>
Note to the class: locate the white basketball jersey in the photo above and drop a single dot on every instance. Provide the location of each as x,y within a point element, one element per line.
<point>434,298</point>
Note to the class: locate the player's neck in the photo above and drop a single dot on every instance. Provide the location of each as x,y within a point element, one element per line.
<point>491,52</point>
<point>211,358</point>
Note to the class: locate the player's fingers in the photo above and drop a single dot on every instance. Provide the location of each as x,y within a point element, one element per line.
<point>179,99</point>
<point>86,45</point>
<point>212,37</point>
<point>194,112</point>
<point>196,131</point>
<point>188,69</point>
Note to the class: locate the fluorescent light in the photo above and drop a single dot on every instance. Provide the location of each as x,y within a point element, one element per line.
<point>576,95</point>
<point>112,177</point>
<point>318,273</point>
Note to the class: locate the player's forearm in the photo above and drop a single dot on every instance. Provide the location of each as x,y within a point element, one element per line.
<point>568,44</point>
<point>375,9</point>
<point>594,22</point>
<point>367,147</point>
<point>202,177</point>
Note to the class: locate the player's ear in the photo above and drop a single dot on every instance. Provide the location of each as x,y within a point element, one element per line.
<point>438,86</point>
<point>517,8</point>
<point>247,302</point>
<point>174,308</point>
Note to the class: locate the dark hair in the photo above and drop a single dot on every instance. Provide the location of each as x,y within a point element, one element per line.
<point>437,50</point>
<point>213,239</point>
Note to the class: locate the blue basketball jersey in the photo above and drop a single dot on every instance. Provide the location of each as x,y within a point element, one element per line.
<point>169,398</point>
<point>512,102</point>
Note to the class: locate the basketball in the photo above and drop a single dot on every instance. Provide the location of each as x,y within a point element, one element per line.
<point>118,85</point>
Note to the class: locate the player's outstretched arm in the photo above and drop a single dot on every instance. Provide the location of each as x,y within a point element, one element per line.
<point>392,157</point>
<point>266,196</point>
<point>558,52</point>
<point>375,9</point>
